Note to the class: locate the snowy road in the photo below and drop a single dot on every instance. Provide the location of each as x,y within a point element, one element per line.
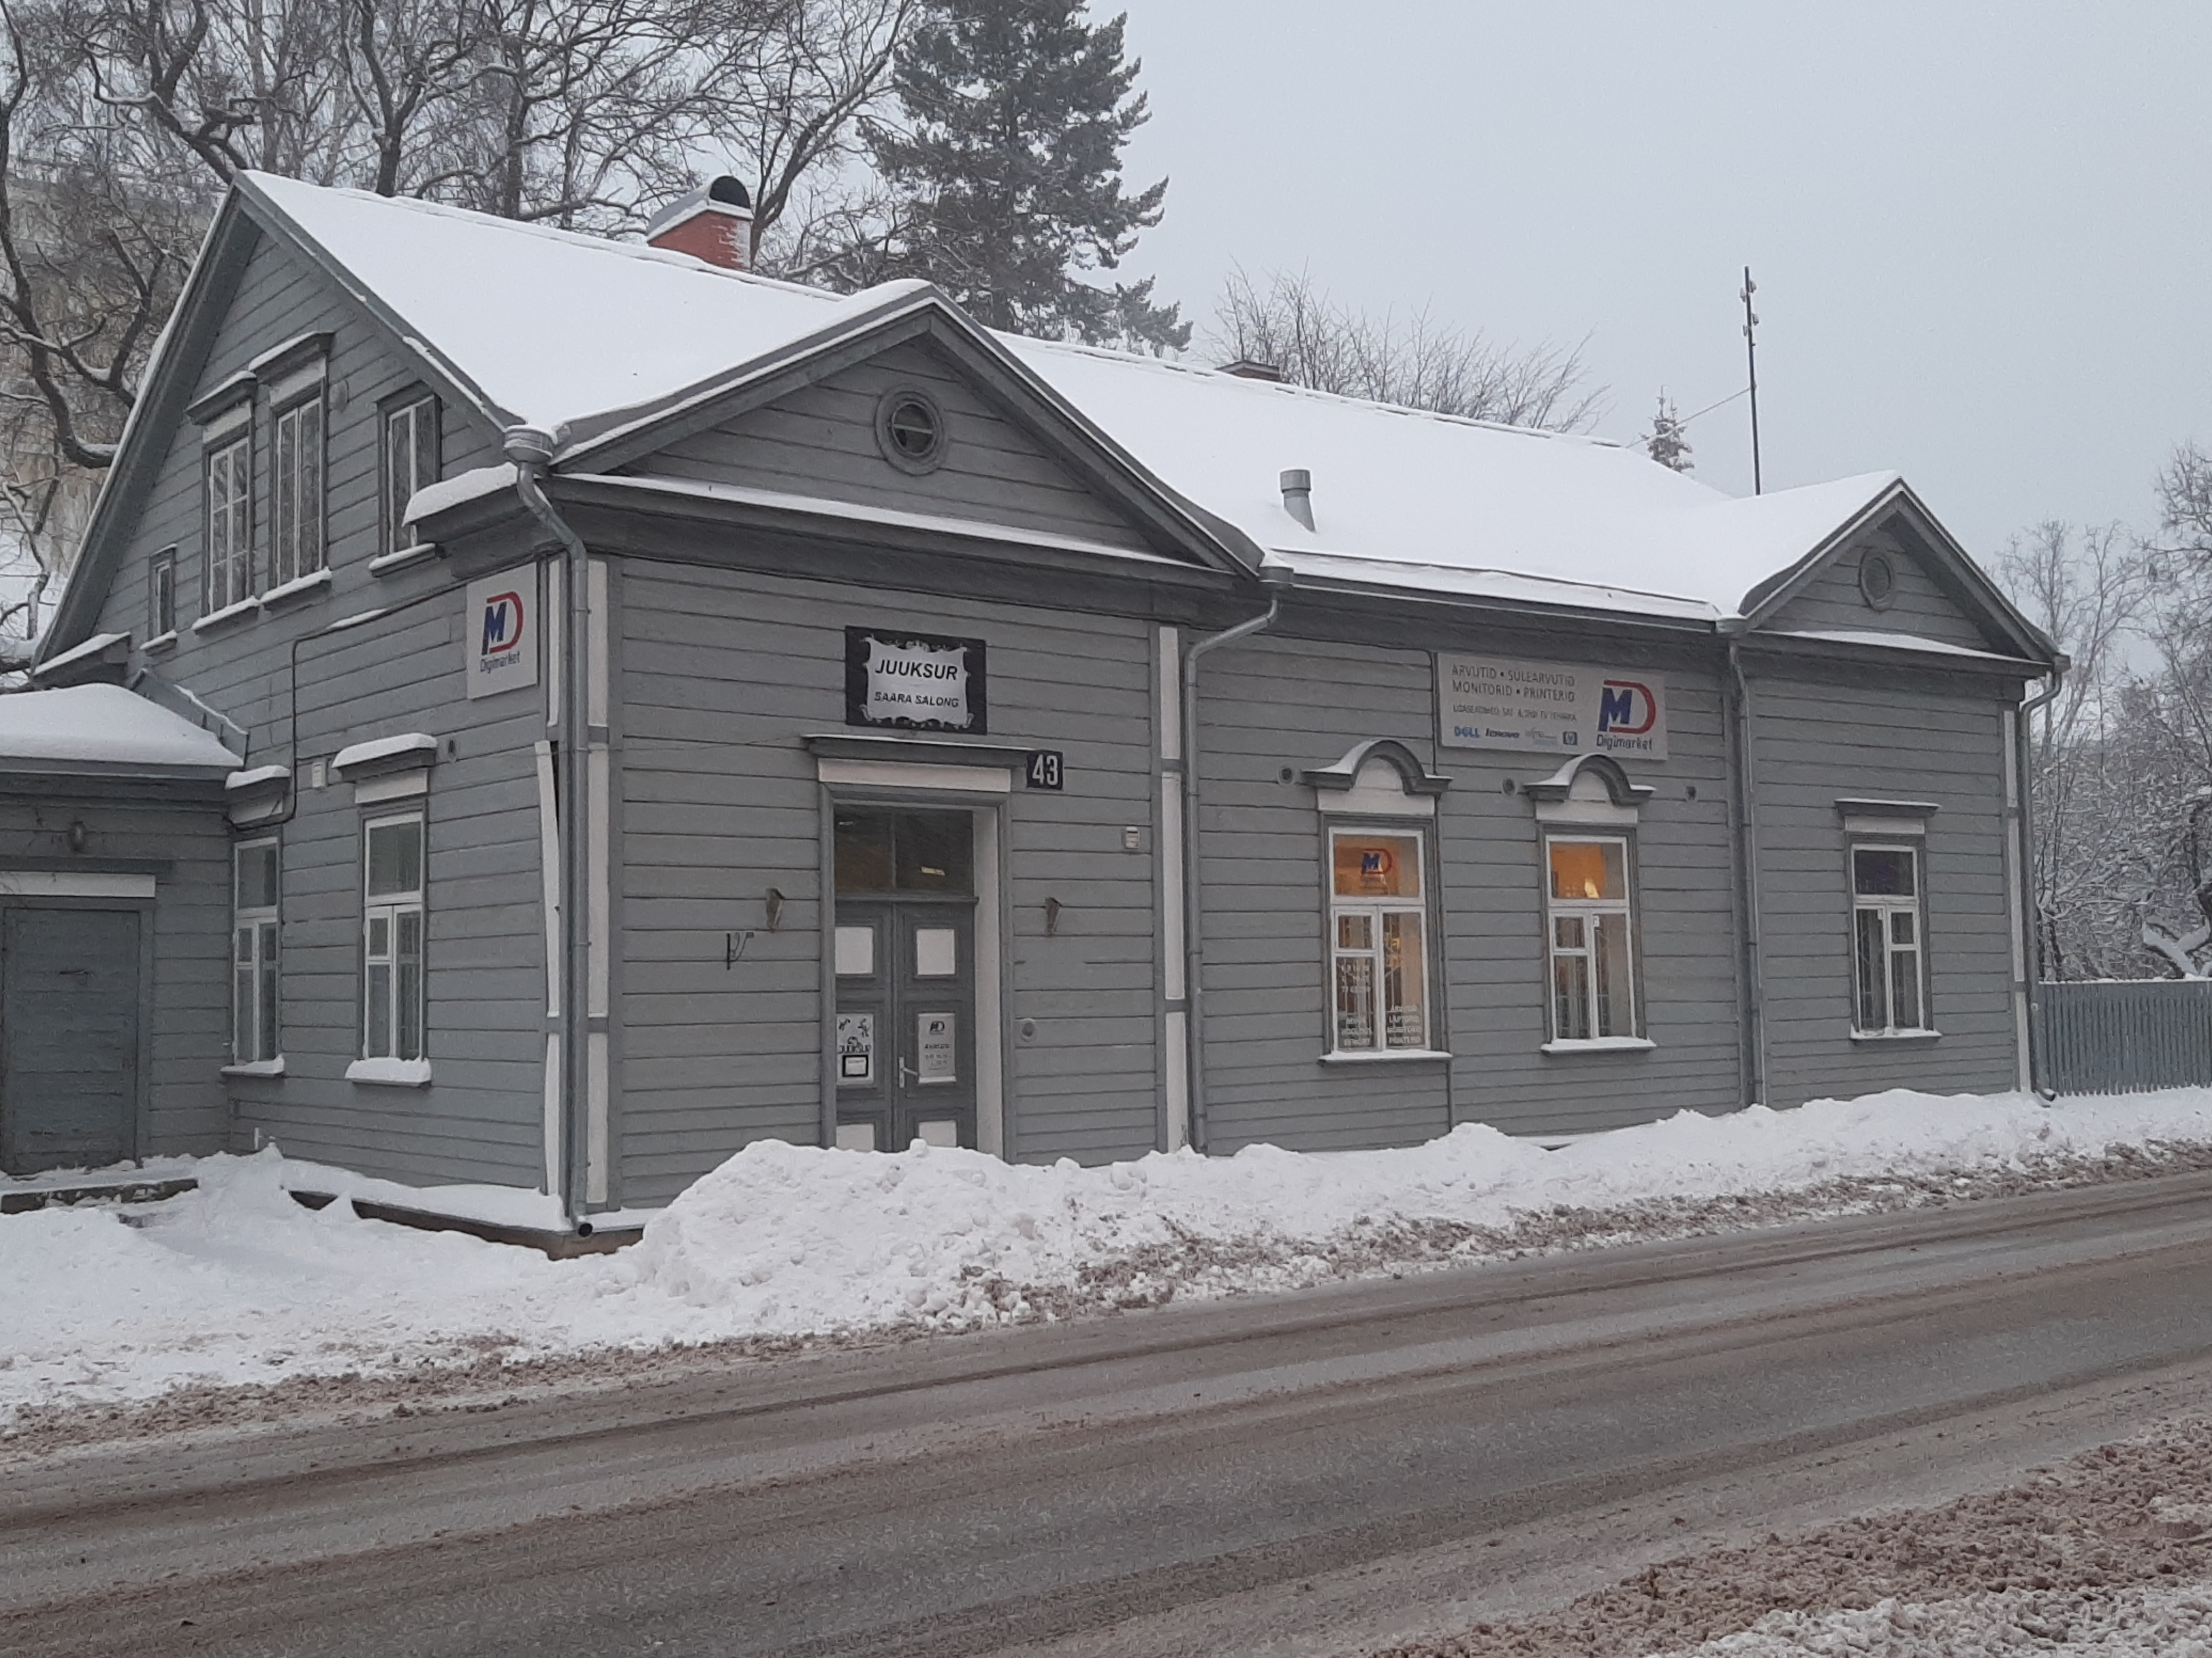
<point>1417,1452</point>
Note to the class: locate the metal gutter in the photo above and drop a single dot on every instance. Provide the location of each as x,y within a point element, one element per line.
<point>1744,810</point>
<point>531,451</point>
<point>1279,578</point>
<point>2024,899</point>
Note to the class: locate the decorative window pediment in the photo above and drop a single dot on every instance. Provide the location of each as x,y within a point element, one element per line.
<point>1380,778</point>
<point>1590,791</point>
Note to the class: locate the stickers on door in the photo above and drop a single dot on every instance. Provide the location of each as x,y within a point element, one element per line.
<point>933,1058</point>
<point>856,1048</point>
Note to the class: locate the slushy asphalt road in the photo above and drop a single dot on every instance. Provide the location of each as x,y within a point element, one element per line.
<point>1166,1481</point>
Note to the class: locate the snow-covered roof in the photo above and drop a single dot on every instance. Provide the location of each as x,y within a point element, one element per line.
<point>103,726</point>
<point>561,329</point>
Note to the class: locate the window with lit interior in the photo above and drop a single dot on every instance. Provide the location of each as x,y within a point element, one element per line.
<point>1888,970</point>
<point>1592,943</point>
<point>1379,960</point>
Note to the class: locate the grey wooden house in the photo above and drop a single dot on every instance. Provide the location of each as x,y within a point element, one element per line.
<point>665,707</point>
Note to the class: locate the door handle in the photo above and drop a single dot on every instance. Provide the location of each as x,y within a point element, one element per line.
<point>909,1075</point>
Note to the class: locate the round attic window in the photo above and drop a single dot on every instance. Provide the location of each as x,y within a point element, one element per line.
<point>910,430</point>
<point>1877,580</point>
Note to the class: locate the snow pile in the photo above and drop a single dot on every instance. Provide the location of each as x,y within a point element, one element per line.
<point>2075,1623</point>
<point>237,1283</point>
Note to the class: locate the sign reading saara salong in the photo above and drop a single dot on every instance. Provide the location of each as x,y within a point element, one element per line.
<point>1551,708</point>
<point>914,681</point>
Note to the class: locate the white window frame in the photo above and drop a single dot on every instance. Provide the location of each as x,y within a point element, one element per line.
<point>298,544</point>
<point>256,931</point>
<point>386,1001</point>
<point>410,459</point>
<point>1371,918</point>
<point>161,595</point>
<point>1890,907</point>
<point>1583,914</point>
<point>228,569</point>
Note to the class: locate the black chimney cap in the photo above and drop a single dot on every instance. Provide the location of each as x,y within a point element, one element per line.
<point>728,190</point>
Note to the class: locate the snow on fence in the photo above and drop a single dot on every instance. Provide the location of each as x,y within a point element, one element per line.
<point>2122,1037</point>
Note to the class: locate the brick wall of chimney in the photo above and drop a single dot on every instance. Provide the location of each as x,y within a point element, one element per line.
<point>718,237</point>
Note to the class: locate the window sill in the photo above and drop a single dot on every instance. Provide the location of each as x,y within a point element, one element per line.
<point>1897,1036</point>
<point>389,1074</point>
<point>403,558</point>
<point>228,613</point>
<point>1602,1045</point>
<point>1382,1055</point>
<point>315,582</point>
<point>256,1068</point>
<point>160,642</point>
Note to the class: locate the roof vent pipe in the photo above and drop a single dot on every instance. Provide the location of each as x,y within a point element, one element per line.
<point>1297,495</point>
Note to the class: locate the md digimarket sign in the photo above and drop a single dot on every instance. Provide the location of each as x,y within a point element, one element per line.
<point>1551,708</point>
<point>913,682</point>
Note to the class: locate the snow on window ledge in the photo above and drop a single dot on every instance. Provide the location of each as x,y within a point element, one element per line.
<point>402,558</point>
<point>1897,1036</point>
<point>390,1073</point>
<point>245,607</point>
<point>1372,1055</point>
<point>1602,1045</point>
<point>160,642</point>
<point>256,1068</point>
<point>314,581</point>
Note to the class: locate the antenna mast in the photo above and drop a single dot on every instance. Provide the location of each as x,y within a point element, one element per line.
<point>1751,359</point>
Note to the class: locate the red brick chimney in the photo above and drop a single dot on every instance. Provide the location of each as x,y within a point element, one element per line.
<point>715,224</point>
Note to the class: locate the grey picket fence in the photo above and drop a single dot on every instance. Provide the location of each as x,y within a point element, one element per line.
<point>2123,1036</point>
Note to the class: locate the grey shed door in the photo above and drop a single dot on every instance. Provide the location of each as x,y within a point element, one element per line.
<point>69,1030</point>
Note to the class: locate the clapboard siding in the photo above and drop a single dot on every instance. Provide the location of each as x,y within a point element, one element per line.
<point>481,1119</point>
<point>1264,705</point>
<point>1497,965</point>
<point>1918,605</point>
<point>1814,742</point>
<point>188,1003</point>
<point>721,676</point>
<point>820,440</point>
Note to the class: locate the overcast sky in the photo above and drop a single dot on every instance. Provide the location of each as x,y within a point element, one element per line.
<point>1982,234</point>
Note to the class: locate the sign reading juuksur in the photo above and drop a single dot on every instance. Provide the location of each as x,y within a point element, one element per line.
<point>1551,708</point>
<point>916,682</point>
<point>500,632</point>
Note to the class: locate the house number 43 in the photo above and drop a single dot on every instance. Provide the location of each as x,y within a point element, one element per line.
<point>1044,769</point>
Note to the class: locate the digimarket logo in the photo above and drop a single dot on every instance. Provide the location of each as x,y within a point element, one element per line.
<point>1626,708</point>
<point>503,629</point>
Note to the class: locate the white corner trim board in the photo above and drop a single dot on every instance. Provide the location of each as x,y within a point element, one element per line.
<point>73,884</point>
<point>390,1073</point>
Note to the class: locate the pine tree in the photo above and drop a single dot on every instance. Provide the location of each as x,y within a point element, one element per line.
<point>1006,181</point>
<point>1665,443</point>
